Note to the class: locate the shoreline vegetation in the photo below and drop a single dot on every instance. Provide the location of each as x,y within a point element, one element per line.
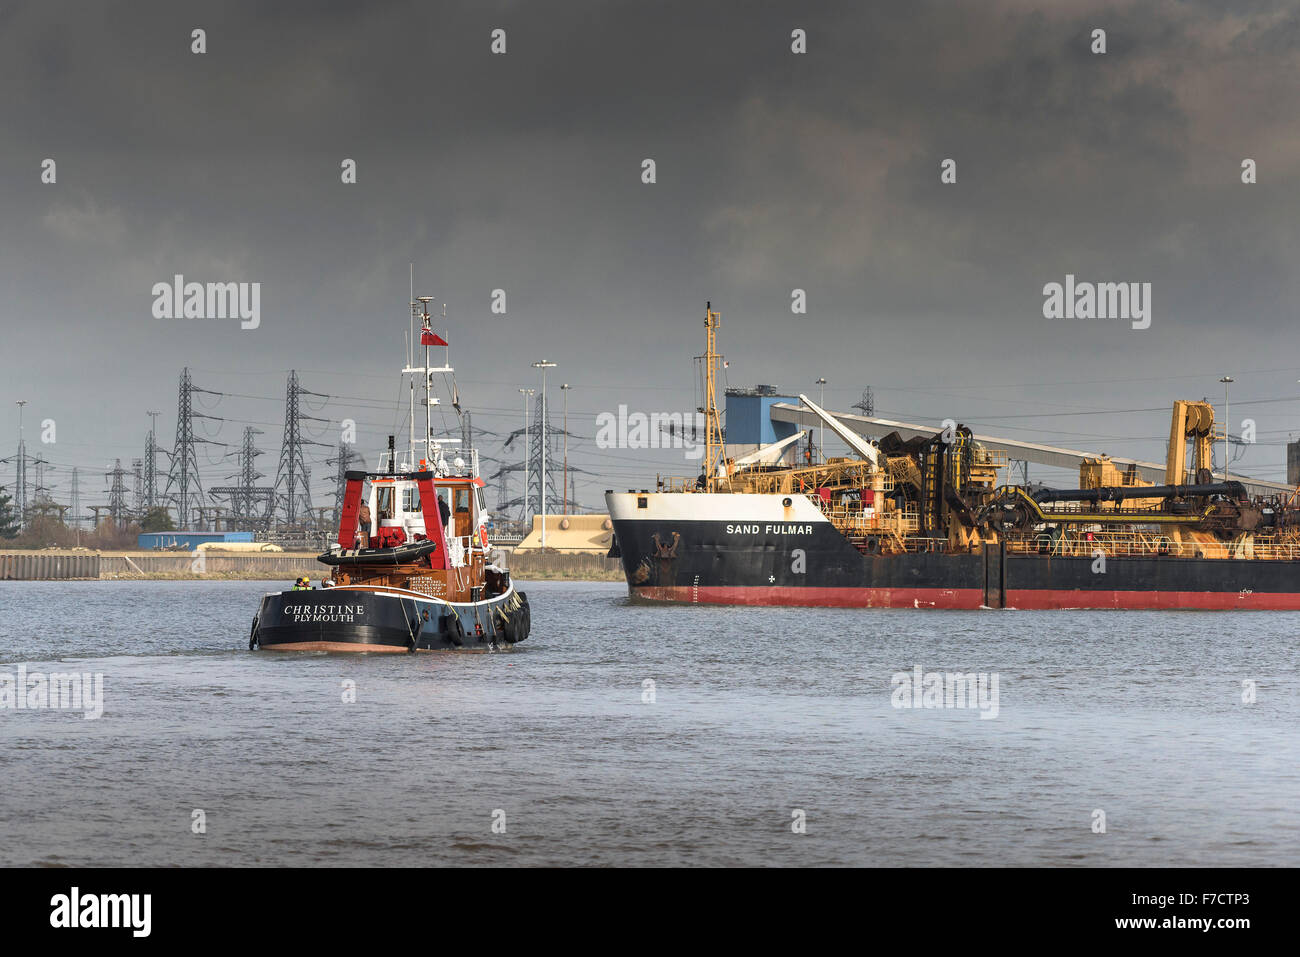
<point>62,564</point>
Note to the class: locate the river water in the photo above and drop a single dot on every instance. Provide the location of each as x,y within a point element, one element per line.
<point>627,734</point>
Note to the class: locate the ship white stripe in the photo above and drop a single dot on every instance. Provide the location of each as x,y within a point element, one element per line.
<point>705,507</point>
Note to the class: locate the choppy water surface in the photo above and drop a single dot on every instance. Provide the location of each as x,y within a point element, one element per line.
<point>756,713</point>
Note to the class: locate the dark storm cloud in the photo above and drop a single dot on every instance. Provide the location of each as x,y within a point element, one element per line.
<point>521,172</point>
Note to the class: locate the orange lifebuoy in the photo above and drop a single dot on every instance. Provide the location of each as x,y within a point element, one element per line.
<point>482,535</point>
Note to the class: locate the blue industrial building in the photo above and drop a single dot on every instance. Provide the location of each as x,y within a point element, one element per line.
<point>749,418</point>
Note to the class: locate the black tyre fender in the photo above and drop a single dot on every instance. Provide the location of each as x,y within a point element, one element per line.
<point>518,624</point>
<point>453,628</point>
<point>501,624</point>
<point>525,624</point>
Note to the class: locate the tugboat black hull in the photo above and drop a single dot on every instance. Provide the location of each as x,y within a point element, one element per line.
<point>387,620</point>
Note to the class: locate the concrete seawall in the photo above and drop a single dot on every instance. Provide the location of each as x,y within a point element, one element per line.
<point>539,565</point>
<point>52,565</point>
<point>48,565</point>
<point>274,565</point>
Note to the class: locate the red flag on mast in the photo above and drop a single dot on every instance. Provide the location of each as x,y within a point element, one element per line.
<point>430,338</point>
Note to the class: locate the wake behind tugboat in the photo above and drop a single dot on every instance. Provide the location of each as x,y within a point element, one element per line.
<point>411,563</point>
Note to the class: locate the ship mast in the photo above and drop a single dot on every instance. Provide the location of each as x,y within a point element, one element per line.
<point>420,310</point>
<point>425,338</point>
<point>410,360</point>
<point>712,422</point>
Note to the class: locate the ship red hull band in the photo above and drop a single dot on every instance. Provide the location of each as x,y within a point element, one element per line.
<point>966,598</point>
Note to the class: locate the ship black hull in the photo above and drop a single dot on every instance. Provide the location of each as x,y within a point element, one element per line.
<point>386,620</point>
<point>812,564</point>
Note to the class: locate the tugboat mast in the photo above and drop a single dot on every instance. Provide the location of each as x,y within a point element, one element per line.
<point>426,338</point>
<point>410,360</point>
<point>420,309</point>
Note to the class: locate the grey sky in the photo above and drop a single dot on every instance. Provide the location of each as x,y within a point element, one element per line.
<point>775,171</point>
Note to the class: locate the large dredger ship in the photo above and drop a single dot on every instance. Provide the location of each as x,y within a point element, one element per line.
<point>917,517</point>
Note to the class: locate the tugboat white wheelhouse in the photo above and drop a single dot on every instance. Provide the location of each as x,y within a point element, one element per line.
<point>411,566</point>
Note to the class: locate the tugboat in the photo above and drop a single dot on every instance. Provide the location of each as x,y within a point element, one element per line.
<point>411,567</point>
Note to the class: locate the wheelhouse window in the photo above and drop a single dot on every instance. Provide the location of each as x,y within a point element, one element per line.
<point>384,502</point>
<point>410,499</point>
